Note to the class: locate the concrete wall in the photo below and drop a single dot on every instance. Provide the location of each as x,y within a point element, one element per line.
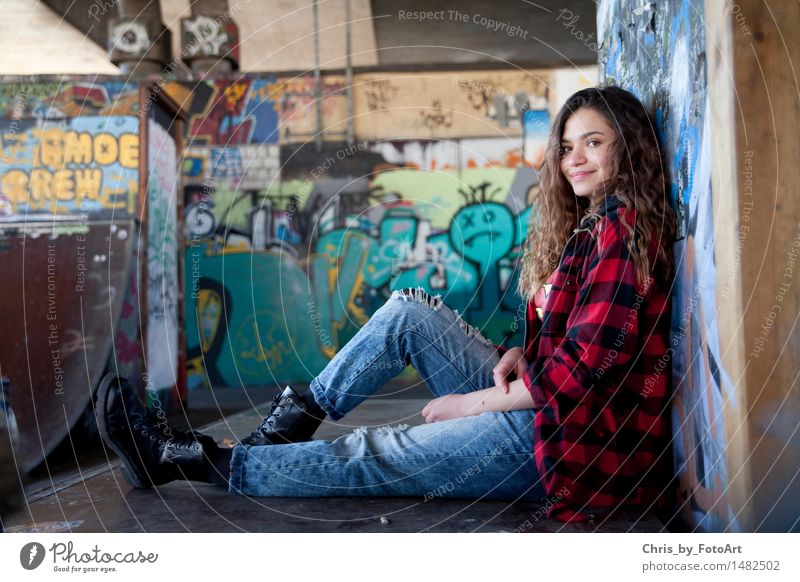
<point>279,37</point>
<point>35,40</point>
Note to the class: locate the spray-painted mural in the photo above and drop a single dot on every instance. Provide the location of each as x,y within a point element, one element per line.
<point>76,165</point>
<point>347,228</point>
<point>232,133</point>
<point>228,112</point>
<point>329,257</point>
<point>232,146</point>
<point>343,243</point>
<point>67,97</point>
<point>339,240</point>
<point>658,52</point>
<point>297,98</point>
<point>351,223</point>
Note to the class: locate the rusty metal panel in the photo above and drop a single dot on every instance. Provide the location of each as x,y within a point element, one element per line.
<point>65,283</point>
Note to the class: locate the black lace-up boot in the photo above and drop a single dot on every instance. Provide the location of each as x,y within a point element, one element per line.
<point>291,419</point>
<point>152,452</point>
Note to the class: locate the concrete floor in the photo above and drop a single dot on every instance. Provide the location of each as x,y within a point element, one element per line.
<point>95,498</point>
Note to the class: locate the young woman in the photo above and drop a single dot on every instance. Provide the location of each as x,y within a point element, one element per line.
<point>577,416</point>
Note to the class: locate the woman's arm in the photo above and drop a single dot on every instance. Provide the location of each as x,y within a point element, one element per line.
<point>472,403</point>
<point>602,333</point>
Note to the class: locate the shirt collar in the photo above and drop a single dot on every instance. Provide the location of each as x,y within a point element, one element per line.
<point>609,203</point>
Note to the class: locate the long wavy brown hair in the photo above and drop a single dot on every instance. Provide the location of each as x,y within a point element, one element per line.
<point>637,180</point>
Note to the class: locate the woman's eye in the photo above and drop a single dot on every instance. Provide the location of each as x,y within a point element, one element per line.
<point>562,151</point>
<point>593,143</point>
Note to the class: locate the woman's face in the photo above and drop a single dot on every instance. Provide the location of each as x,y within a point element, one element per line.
<point>586,158</point>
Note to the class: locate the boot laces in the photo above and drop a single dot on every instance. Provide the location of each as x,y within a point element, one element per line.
<point>149,426</point>
<point>275,410</point>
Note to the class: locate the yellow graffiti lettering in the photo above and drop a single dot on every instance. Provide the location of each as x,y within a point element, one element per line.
<point>87,184</point>
<point>133,188</point>
<point>65,167</point>
<point>43,188</point>
<point>51,147</point>
<point>15,187</point>
<point>41,192</point>
<point>114,198</point>
<point>63,185</point>
<point>78,148</point>
<point>129,150</point>
<point>272,91</point>
<point>234,93</point>
<point>105,149</point>
<point>56,148</point>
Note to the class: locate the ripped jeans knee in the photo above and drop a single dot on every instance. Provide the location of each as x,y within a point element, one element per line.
<point>435,302</point>
<point>381,431</point>
<point>419,295</point>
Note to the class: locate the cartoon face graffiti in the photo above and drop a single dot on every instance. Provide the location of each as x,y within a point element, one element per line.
<point>483,232</point>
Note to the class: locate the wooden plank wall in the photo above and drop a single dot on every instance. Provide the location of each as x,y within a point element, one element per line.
<point>753,59</point>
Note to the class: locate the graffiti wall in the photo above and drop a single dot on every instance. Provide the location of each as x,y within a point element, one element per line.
<point>298,100</point>
<point>65,97</point>
<point>232,132</point>
<point>429,195</point>
<point>225,111</point>
<point>438,200</point>
<point>162,258</point>
<point>74,165</point>
<point>446,104</point>
<point>274,303</point>
<point>454,154</point>
<point>668,38</point>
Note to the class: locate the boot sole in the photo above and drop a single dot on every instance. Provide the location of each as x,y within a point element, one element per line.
<point>129,470</point>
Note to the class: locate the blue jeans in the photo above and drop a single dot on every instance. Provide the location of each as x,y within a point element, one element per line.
<point>487,456</point>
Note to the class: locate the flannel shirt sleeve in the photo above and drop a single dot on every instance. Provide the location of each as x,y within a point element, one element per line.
<point>602,329</point>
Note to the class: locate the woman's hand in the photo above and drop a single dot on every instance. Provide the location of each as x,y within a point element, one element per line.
<point>511,360</point>
<point>446,407</point>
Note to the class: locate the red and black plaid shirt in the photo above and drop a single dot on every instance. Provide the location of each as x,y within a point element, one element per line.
<point>598,371</point>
